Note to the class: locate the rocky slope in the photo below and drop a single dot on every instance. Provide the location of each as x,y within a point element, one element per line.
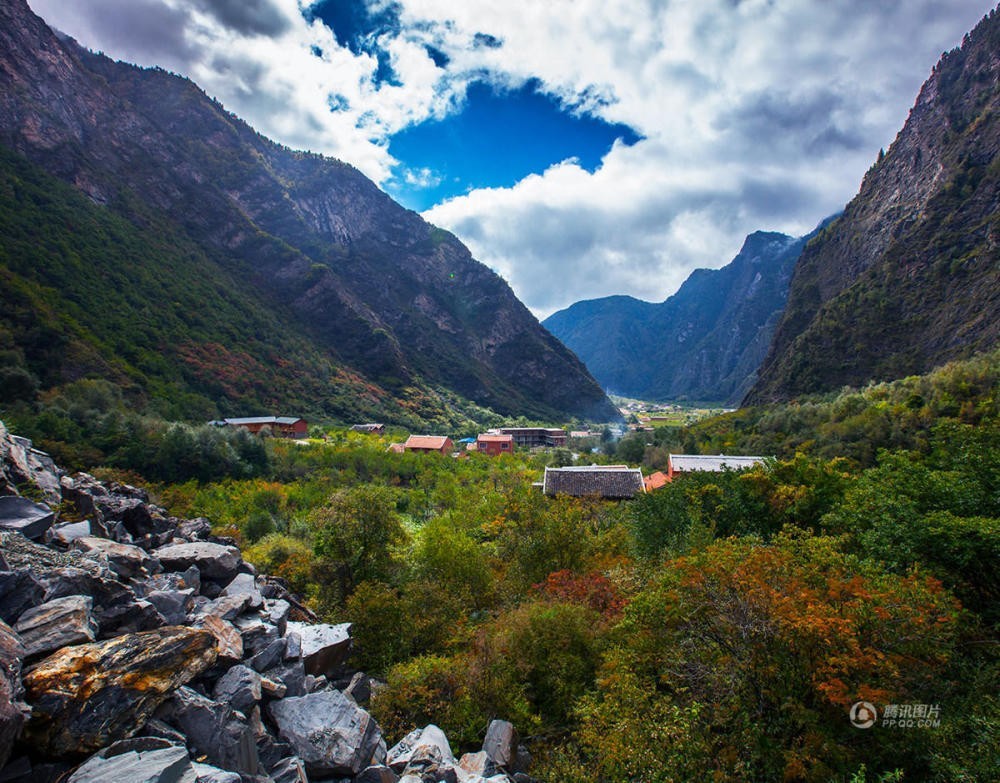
<point>909,276</point>
<point>703,343</point>
<point>376,301</point>
<point>135,646</point>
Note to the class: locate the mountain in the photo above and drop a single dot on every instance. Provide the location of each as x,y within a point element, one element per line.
<point>909,276</point>
<point>703,343</point>
<point>154,238</point>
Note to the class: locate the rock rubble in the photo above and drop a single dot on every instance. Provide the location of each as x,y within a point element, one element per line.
<point>135,646</point>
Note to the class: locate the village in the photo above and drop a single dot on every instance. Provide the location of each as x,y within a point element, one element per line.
<point>607,482</point>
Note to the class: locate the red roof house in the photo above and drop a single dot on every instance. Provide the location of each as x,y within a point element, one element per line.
<point>438,443</point>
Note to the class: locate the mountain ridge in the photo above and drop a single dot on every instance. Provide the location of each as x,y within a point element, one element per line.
<point>379,293</point>
<point>907,278</point>
<point>703,343</point>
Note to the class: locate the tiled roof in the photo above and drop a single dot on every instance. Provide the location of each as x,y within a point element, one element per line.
<point>613,483</point>
<point>488,438</point>
<point>656,480</point>
<point>436,442</point>
<point>715,463</point>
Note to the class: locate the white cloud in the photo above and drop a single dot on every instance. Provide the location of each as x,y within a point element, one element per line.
<point>757,114</point>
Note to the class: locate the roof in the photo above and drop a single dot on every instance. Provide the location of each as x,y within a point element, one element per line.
<point>656,480</point>
<point>367,427</point>
<point>264,420</point>
<point>396,448</point>
<point>436,442</point>
<point>715,463</point>
<point>611,482</point>
<point>490,438</point>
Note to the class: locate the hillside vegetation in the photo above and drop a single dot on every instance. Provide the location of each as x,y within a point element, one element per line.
<point>720,627</point>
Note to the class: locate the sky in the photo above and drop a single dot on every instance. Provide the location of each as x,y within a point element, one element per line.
<point>580,148</point>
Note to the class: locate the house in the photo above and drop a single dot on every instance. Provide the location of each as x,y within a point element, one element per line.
<point>396,448</point>
<point>713,463</point>
<point>279,426</point>
<point>532,437</point>
<point>495,445</point>
<point>656,480</point>
<point>610,482</point>
<point>427,443</point>
<point>369,429</point>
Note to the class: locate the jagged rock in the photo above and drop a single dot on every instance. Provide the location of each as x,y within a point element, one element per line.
<point>277,614</point>
<point>145,523</point>
<point>87,696</point>
<point>228,640</point>
<point>183,580</point>
<point>501,744</point>
<point>420,744</point>
<point>174,605</point>
<point>126,560</point>
<point>270,656</point>
<point>22,554</point>
<point>66,533</point>
<point>378,773</point>
<point>244,584</point>
<point>116,608</point>
<point>21,464</point>
<point>273,689</point>
<point>331,734</point>
<point>139,760</point>
<point>292,676</point>
<point>24,516</point>
<point>212,729</point>
<point>257,634</point>
<point>19,591</point>
<point>208,774</point>
<point>293,646</point>
<point>56,624</point>
<point>226,607</point>
<point>477,764</point>
<point>157,728</point>
<point>214,561</point>
<point>240,688</point>
<point>324,647</point>
<point>359,688</point>
<point>194,529</point>
<point>13,712</point>
<point>290,770</point>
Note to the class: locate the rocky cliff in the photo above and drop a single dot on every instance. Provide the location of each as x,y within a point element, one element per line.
<point>135,646</point>
<point>369,297</point>
<point>909,276</point>
<point>703,343</point>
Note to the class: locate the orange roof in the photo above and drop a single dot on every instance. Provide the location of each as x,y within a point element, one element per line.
<point>396,448</point>
<point>495,438</point>
<point>656,480</point>
<point>436,442</point>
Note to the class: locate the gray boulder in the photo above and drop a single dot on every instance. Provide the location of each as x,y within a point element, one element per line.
<point>13,712</point>
<point>208,774</point>
<point>244,584</point>
<point>270,656</point>
<point>19,591</point>
<point>240,688</point>
<point>324,647</point>
<point>428,743</point>
<point>213,730</point>
<point>126,560</point>
<point>24,516</point>
<point>65,533</point>
<point>378,773</point>
<point>21,464</point>
<point>214,561</point>
<point>329,732</point>
<point>56,624</point>
<point>174,605</point>
<point>501,744</point>
<point>140,760</point>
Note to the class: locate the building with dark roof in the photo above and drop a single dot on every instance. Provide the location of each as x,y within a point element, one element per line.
<point>533,437</point>
<point>279,426</point>
<point>611,482</point>
<point>369,429</point>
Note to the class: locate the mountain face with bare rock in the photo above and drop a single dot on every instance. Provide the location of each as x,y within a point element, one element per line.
<point>909,276</point>
<point>152,237</point>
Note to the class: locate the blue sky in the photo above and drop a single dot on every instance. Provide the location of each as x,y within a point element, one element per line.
<point>580,148</point>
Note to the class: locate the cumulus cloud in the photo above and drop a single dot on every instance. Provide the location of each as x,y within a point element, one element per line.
<point>754,114</point>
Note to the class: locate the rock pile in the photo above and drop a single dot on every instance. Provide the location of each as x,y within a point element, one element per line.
<point>135,646</point>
